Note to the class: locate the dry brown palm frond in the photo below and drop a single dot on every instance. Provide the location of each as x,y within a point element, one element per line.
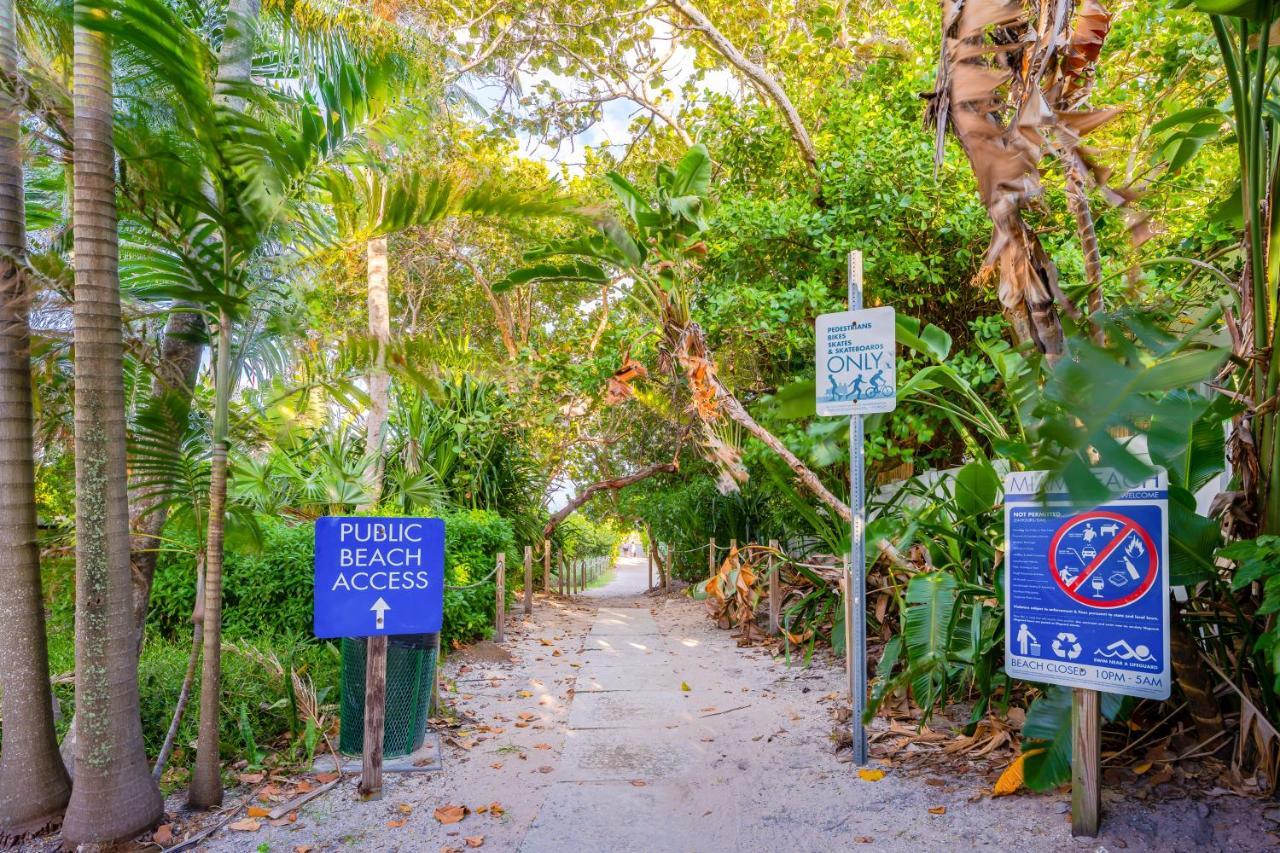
<point>1012,84</point>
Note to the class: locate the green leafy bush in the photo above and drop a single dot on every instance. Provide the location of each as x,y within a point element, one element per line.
<point>267,592</point>
<point>472,542</point>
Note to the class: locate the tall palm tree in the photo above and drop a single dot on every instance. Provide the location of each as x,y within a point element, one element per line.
<point>379,381</point>
<point>114,796</point>
<point>34,786</point>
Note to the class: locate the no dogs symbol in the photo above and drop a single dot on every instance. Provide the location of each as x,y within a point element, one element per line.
<point>1103,559</point>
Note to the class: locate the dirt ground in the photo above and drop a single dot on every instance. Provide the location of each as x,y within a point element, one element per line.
<point>629,722</point>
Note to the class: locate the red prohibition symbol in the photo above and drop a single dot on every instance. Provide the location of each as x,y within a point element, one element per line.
<point>1093,560</point>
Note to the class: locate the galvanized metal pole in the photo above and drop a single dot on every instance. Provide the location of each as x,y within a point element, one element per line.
<point>855,600</point>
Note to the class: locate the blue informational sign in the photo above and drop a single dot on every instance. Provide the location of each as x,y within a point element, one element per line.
<point>1087,590</point>
<point>856,363</point>
<point>379,576</point>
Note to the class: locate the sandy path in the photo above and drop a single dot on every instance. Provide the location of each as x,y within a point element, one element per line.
<point>590,741</point>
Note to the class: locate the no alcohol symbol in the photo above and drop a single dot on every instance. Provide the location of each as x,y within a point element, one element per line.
<point>1103,559</point>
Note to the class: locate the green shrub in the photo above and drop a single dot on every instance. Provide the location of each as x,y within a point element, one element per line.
<point>250,681</point>
<point>472,541</point>
<point>267,592</point>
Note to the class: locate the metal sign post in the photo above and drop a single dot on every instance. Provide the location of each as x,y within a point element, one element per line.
<point>855,602</point>
<point>856,371</point>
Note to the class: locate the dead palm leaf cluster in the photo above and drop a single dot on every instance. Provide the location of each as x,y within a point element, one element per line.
<point>1013,85</point>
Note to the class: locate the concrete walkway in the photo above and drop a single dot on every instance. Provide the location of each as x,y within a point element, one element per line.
<point>632,749</point>
<point>630,577</point>
<point>631,723</point>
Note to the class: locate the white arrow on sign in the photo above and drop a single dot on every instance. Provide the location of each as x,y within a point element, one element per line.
<point>380,607</point>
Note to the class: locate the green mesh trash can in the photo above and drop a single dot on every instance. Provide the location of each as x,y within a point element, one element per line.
<point>411,670</point>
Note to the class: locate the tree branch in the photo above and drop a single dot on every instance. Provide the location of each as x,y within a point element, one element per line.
<point>759,76</point>
<point>605,485</point>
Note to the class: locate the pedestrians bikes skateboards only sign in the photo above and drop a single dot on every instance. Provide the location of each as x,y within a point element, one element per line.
<point>1087,589</point>
<point>378,576</point>
<point>855,362</point>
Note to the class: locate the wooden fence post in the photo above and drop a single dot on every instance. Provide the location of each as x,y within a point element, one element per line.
<point>775,588</point>
<point>500,593</point>
<point>528,580</point>
<point>711,559</point>
<point>649,553</point>
<point>1086,760</point>
<point>375,712</point>
<point>666,574</point>
<point>546,565</point>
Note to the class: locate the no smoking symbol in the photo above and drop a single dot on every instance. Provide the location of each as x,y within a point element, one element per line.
<point>1103,559</point>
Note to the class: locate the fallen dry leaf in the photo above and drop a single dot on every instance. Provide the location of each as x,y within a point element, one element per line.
<point>497,765</point>
<point>545,769</point>
<point>639,783</point>
<point>1141,767</point>
<point>326,778</point>
<point>396,824</point>
<point>474,840</point>
<point>527,716</point>
<point>938,810</point>
<point>302,848</point>
<point>684,685</point>
<point>404,808</point>
<point>163,834</point>
<point>870,775</point>
<point>451,813</point>
<point>524,694</point>
<point>257,811</point>
<point>1011,779</point>
<point>542,746</point>
<point>863,839</point>
<point>251,778</point>
<point>291,817</point>
<point>497,809</point>
<point>545,641</point>
<point>305,787</point>
<point>246,825</point>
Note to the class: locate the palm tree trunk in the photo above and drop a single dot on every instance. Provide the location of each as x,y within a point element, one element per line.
<point>34,786</point>
<point>206,776</point>
<point>379,381</point>
<point>114,796</point>
<point>188,678</point>
<point>235,60</point>
<point>185,333</point>
<point>172,388</point>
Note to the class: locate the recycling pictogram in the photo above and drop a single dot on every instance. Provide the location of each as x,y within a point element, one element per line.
<point>1065,645</point>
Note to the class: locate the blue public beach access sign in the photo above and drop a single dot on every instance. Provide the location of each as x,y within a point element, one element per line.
<point>379,576</point>
<point>1087,590</point>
